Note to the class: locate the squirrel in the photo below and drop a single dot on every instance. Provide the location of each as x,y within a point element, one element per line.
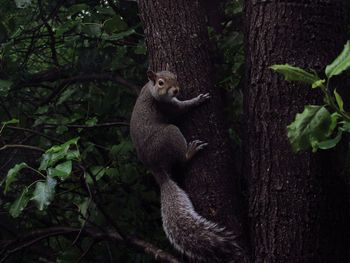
<point>160,145</point>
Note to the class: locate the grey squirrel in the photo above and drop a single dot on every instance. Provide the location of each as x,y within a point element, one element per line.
<point>160,145</point>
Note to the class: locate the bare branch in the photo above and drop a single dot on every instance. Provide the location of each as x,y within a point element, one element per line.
<point>38,235</point>
<point>82,126</point>
<point>64,74</point>
<point>34,132</point>
<point>51,34</point>
<point>22,146</point>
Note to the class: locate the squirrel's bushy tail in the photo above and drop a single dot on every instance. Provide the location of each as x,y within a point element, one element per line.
<point>191,233</point>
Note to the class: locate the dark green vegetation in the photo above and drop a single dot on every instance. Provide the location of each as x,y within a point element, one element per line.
<point>72,187</point>
<point>316,127</point>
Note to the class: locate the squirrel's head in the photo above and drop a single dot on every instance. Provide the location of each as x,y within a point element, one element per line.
<point>164,85</point>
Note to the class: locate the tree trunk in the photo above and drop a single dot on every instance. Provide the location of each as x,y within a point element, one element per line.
<point>176,34</point>
<point>297,204</point>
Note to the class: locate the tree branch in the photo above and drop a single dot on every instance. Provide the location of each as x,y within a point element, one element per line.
<point>38,235</point>
<point>22,146</point>
<point>51,34</point>
<point>64,74</point>
<point>34,132</point>
<point>82,126</point>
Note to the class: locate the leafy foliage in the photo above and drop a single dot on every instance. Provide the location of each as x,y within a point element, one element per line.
<point>340,64</point>
<point>310,127</point>
<point>295,74</point>
<point>317,128</point>
<point>44,193</point>
<point>70,72</point>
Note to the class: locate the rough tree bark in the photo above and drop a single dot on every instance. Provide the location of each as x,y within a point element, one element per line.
<point>297,205</point>
<point>176,33</point>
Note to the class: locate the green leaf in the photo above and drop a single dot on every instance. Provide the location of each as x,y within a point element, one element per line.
<point>346,126</point>
<point>12,121</point>
<point>21,202</point>
<point>121,150</point>
<point>339,100</point>
<point>12,174</point>
<point>140,49</point>
<point>334,123</point>
<point>91,122</point>
<point>65,96</point>
<point>309,127</point>
<point>292,73</point>
<point>44,193</point>
<point>92,29</point>
<point>121,35</point>
<point>341,63</point>
<point>62,170</point>
<point>114,24</point>
<point>318,83</point>
<point>83,209</point>
<point>77,8</point>
<point>98,172</point>
<point>5,86</point>
<point>73,155</point>
<point>330,143</point>
<point>87,209</point>
<point>23,3</point>
<point>59,152</point>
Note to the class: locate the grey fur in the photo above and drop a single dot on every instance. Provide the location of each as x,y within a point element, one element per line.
<point>161,145</point>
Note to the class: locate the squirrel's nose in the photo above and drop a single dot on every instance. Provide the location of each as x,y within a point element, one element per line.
<point>176,91</point>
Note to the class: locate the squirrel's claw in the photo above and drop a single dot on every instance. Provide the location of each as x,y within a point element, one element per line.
<point>203,97</point>
<point>193,147</point>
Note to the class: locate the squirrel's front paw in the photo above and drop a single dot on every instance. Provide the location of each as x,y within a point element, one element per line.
<point>202,98</point>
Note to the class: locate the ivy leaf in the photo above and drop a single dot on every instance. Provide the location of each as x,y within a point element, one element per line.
<point>62,170</point>
<point>91,122</point>
<point>98,172</point>
<point>12,174</point>
<point>23,3</point>
<point>92,29</point>
<point>59,152</point>
<point>309,127</point>
<point>74,9</point>
<point>12,121</point>
<point>5,87</point>
<point>339,100</point>
<point>65,96</point>
<point>44,193</point>
<point>121,35</point>
<point>20,203</point>
<point>121,150</point>
<point>140,49</point>
<point>292,73</point>
<point>114,24</point>
<point>341,63</point>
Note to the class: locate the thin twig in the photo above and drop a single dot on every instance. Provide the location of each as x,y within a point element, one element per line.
<point>34,132</point>
<point>21,146</point>
<point>82,126</point>
<point>86,251</point>
<point>51,34</point>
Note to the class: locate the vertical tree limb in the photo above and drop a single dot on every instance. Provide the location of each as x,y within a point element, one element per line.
<point>297,203</point>
<point>176,33</point>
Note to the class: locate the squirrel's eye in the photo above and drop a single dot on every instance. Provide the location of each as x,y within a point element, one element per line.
<point>160,82</point>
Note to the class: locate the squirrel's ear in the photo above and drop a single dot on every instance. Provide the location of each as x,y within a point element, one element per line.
<point>151,75</point>
<point>167,67</point>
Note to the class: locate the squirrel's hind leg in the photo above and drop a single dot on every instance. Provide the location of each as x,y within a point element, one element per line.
<point>194,147</point>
